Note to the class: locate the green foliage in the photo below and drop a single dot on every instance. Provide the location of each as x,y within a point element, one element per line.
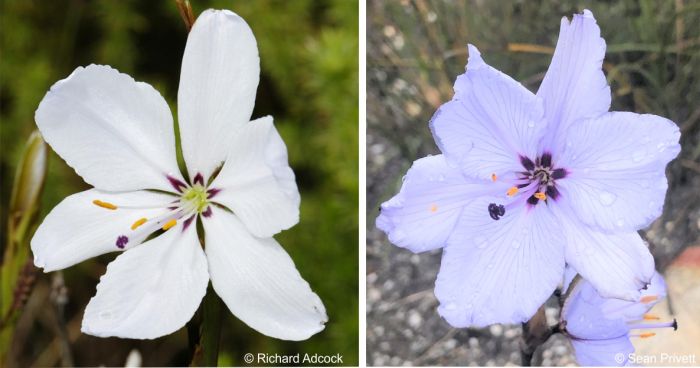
<point>309,83</point>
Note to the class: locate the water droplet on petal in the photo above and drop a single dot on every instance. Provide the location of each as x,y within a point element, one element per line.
<point>516,244</point>
<point>620,222</point>
<point>451,306</point>
<point>530,123</point>
<point>607,198</point>
<point>638,155</point>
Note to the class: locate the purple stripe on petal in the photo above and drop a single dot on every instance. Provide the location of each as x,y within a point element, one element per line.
<point>121,241</point>
<point>552,192</point>
<point>546,159</point>
<point>527,163</point>
<point>207,212</point>
<point>176,183</point>
<point>199,179</point>
<point>559,173</point>
<point>187,223</point>
<point>212,192</point>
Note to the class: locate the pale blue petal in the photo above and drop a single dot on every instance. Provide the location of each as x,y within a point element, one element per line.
<point>612,352</point>
<point>491,120</point>
<point>423,214</point>
<point>574,87</point>
<point>616,169</point>
<point>499,271</point>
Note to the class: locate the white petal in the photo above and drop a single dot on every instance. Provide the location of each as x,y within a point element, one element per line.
<point>616,168</point>
<point>151,290</point>
<point>423,214</point>
<point>575,87</point>
<point>218,81</point>
<point>499,271</point>
<point>76,229</point>
<point>618,264</point>
<point>256,182</point>
<point>116,133</point>
<point>490,122</point>
<point>258,281</point>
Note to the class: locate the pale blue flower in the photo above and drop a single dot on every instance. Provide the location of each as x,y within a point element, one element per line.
<point>528,182</point>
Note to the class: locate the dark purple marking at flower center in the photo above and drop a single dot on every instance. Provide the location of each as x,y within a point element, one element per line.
<point>187,223</point>
<point>121,241</point>
<point>543,173</point>
<point>496,211</point>
<point>207,212</point>
<point>198,179</point>
<point>177,184</point>
<point>212,192</point>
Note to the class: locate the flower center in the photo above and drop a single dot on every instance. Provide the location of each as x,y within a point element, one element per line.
<point>194,199</point>
<point>536,183</point>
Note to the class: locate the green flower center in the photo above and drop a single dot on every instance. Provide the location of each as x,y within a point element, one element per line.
<point>195,199</point>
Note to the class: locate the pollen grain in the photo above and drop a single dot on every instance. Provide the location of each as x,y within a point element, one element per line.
<point>648,299</point>
<point>169,224</point>
<point>138,223</point>
<point>106,205</point>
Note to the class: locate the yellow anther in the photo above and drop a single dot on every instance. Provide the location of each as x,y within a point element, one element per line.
<point>106,205</point>
<point>512,191</point>
<point>169,224</point>
<point>648,299</point>
<point>651,317</point>
<point>494,177</point>
<point>647,335</point>
<point>433,208</point>
<point>541,196</point>
<point>138,223</point>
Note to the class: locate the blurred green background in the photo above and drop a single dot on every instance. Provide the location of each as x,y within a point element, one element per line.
<point>309,83</point>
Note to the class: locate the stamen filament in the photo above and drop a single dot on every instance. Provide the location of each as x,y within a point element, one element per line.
<point>106,205</point>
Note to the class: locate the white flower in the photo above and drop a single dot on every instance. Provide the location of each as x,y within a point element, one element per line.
<point>118,135</point>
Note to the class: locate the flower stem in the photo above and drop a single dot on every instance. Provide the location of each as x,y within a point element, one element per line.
<point>211,328</point>
<point>204,331</point>
<point>535,333</point>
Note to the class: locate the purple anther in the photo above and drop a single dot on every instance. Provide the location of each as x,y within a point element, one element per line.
<point>212,192</point>
<point>496,211</point>
<point>177,184</point>
<point>187,223</point>
<point>546,159</point>
<point>207,212</point>
<point>121,241</point>
<point>198,179</point>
